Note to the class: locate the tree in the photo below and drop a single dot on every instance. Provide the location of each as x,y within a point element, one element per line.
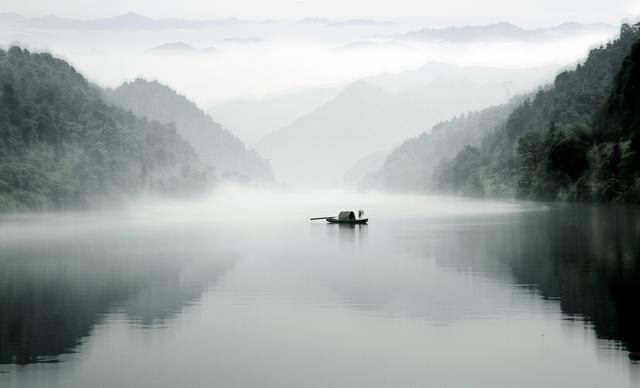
<point>10,103</point>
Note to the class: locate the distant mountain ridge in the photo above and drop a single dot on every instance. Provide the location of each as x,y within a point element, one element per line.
<point>250,40</point>
<point>368,45</point>
<point>179,48</point>
<point>127,21</point>
<point>505,32</point>
<point>519,80</point>
<point>359,23</point>
<point>314,20</point>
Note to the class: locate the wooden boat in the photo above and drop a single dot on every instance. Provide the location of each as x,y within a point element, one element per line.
<point>334,220</point>
<point>345,217</point>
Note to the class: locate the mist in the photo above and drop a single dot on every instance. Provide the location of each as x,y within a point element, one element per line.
<point>314,194</point>
<point>292,55</point>
<point>260,78</point>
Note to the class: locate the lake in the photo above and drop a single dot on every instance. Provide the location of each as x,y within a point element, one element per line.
<point>240,289</point>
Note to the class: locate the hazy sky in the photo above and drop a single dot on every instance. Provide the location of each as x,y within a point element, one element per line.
<point>530,12</point>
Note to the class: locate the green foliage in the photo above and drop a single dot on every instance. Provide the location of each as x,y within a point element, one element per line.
<point>61,146</point>
<point>578,140</point>
<point>463,173</point>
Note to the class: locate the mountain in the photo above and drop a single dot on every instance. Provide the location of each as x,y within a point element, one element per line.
<point>578,140</point>
<point>376,114</point>
<point>359,23</point>
<point>506,32</point>
<point>173,47</point>
<point>319,147</point>
<point>242,41</point>
<point>514,81</point>
<point>362,168</point>
<point>128,21</point>
<point>179,48</point>
<point>368,46</point>
<point>62,146</point>
<point>620,115</point>
<point>215,146</point>
<point>251,119</point>
<point>314,20</point>
<point>410,166</point>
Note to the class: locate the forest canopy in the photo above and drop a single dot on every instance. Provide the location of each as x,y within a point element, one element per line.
<point>62,146</point>
<point>578,139</point>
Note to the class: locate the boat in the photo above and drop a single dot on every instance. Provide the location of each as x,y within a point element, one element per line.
<point>360,221</point>
<point>345,217</point>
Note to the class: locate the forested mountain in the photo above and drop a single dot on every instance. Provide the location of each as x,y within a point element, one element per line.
<point>410,166</point>
<point>578,140</point>
<point>377,113</point>
<point>215,146</point>
<point>62,146</point>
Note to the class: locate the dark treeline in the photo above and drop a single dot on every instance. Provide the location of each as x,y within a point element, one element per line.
<point>62,146</point>
<point>578,140</point>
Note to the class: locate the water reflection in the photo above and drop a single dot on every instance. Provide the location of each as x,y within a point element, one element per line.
<point>347,235</point>
<point>410,296</point>
<point>53,293</point>
<point>586,258</point>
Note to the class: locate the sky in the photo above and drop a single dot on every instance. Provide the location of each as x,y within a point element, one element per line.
<point>436,12</point>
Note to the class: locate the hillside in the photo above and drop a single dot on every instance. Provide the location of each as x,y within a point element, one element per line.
<point>321,146</point>
<point>215,146</point>
<point>378,113</point>
<point>61,146</point>
<point>369,164</point>
<point>410,166</point>
<point>252,119</point>
<point>575,141</point>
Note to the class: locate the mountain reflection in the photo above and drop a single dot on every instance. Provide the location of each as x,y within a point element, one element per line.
<point>589,261</point>
<point>585,257</point>
<point>53,295</point>
<point>162,300</point>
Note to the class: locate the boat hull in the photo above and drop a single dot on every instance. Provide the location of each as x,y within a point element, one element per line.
<point>333,220</point>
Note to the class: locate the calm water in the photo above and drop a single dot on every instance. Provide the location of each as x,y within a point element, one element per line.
<point>241,290</point>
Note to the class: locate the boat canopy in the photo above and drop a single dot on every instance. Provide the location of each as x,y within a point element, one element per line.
<point>346,215</point>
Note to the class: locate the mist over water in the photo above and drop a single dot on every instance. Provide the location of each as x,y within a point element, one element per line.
<point>258,59</point>
<point>240,288</point>
<point>229,135</point>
